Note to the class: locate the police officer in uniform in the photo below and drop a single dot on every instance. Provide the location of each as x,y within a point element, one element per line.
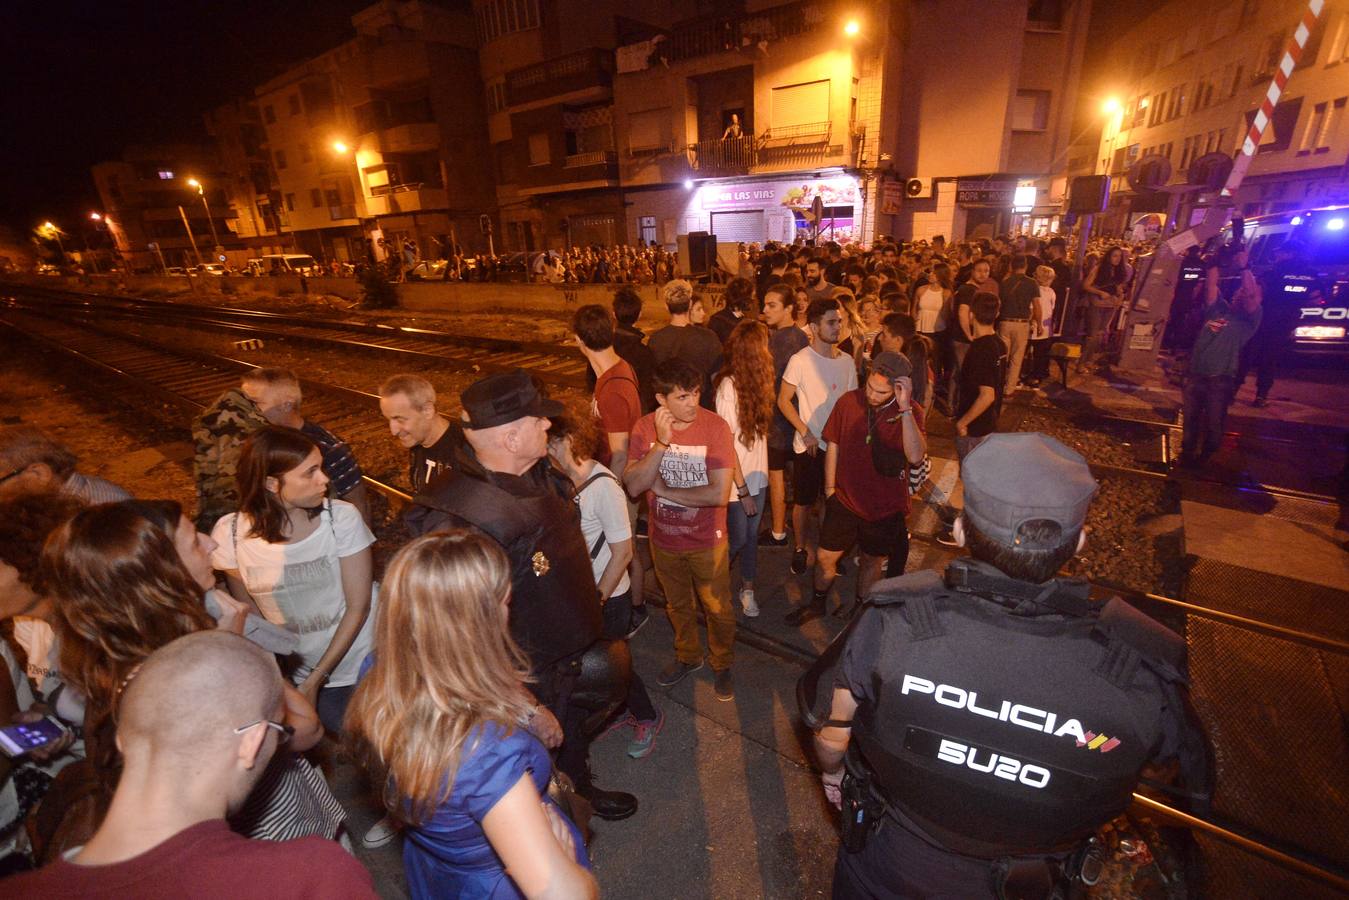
<point>502,484</point>
<point>979,727</point>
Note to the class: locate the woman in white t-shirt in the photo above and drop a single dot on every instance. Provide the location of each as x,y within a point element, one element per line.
<point>744,398</point>
<point>603,508</point>
<point>1041,327</point>
<point>304,561</point>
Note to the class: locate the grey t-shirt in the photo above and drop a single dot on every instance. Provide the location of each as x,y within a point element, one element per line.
<point>1226,329</point>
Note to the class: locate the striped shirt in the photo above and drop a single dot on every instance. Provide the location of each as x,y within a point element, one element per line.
<point>338,462</point>
<point>93,490</point>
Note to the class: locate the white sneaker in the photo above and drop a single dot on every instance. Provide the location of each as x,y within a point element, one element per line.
<point>380,833</point>
<point>747,603</point>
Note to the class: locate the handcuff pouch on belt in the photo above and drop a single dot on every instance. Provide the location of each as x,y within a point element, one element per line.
<point>863,806</point>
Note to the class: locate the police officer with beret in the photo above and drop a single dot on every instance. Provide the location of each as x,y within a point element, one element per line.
<point>978,727</point>
<point>502,484</point>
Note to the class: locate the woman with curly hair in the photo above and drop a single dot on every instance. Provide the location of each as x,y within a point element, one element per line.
<point>128,578</point>
<point>443,716</point>
<point>745,399</point>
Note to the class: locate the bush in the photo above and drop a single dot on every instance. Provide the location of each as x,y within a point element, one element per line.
<point>376,291</point>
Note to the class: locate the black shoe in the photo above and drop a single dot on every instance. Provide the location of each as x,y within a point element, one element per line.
<point>676,672</point>
<point>803,614</point>
<point>638,619</point>
<point>799,562</point>
<point>611,805</point>
<point>767,540</point>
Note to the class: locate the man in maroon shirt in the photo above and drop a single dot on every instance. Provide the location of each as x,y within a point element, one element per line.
<point>197,724</point>
<point>874,432</point>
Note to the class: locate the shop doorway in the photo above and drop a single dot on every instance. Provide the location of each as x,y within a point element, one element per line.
<point>741,226</point>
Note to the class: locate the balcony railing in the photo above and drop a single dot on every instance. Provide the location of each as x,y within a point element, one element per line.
<point>788,135</point>
<point>593,158</point>
<point>731,156</point>
<point>573,72</point>
<point>718,34</point>
<point>341,212</point>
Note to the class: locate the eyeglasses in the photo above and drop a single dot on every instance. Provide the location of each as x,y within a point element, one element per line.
<point>286,731</point>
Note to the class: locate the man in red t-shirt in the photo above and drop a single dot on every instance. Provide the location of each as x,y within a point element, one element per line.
<point>682,456</point>
<point>618,405</point>
<point>866,505</point>
<point>197,724</point>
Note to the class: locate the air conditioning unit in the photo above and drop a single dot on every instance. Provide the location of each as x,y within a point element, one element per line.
<point>918,188</point>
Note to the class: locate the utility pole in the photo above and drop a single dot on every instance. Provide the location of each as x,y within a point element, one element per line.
<point>192,240</point>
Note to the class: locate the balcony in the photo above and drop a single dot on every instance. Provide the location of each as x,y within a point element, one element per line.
<point>593,158</point>
<point>563,75</point>
<point>724,156</point>
<point>405,198</point>
<point>346,211</point>
<point>410,137</point>
<point>720,34</point>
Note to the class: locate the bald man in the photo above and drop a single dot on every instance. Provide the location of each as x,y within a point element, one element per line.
<point>197,725</point>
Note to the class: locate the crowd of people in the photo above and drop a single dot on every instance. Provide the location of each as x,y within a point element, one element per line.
<point>190,666</point>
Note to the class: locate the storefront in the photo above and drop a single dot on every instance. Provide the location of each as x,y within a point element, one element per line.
<point>776,209</point>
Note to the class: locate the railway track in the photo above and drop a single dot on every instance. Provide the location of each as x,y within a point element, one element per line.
<point>183,380</point>
<point>551,363</point>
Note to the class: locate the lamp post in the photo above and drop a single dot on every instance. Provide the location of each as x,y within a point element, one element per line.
<point>201,192</point>
<point>50,231</point>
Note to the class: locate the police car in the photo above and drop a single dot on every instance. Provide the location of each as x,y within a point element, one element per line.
<point>1316,284</point>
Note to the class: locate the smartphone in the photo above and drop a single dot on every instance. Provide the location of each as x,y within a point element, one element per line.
<point>16,740</point>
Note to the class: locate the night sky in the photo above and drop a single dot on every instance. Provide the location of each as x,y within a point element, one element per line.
<point>83,79</point>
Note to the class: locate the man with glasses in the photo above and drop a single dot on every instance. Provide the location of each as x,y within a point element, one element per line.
<point>197,725</point>
<point>30,461</point>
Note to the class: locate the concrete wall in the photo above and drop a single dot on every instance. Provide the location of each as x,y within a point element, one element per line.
<point>427,297</point>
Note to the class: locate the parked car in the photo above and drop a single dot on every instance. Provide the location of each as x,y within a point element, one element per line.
<point>177,271</point>
<point>283,264</point>
<point>428,270</point>
<point>215,269</point>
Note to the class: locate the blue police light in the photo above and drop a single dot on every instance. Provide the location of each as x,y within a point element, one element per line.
<point>1336,224</point>
<point>1297,220</point>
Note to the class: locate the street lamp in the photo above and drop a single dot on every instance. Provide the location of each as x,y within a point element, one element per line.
<point>201,191</point>
<point>340,147</point>
<point>852,27</point>
<point>51,232</point>
<point>1110,106</point>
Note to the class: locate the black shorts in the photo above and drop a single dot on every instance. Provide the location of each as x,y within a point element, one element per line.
<point>778,457</point>
<point>807,477</point>
<point>842,528</point>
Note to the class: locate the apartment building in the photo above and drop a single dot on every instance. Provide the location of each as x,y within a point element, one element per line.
<point>380,140</point>
<point>249,180</point>
<point>149,206</point>
<point>1191,77</point>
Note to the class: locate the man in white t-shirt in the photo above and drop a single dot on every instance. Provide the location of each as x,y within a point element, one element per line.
<point>1042,327</point>
<point>815,378</point>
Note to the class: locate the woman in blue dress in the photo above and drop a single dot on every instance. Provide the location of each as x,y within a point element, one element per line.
<point>444,712</point>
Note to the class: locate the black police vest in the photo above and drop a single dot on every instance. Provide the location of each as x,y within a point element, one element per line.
<point>999,733</point>
<point>555,611</point>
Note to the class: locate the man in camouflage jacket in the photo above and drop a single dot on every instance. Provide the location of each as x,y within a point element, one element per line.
<point>219,433</point>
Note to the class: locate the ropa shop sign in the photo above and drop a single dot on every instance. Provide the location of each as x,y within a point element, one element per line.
<point>971,192</point>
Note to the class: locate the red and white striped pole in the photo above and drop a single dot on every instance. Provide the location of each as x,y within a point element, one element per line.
<point>1291,54</point>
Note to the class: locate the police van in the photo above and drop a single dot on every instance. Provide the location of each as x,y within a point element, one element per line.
<point>1316,282</point>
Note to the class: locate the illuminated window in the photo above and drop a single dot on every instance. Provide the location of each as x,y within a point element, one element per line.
<point>165,175</point>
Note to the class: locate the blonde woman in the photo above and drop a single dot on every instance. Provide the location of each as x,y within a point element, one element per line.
<point>443,711</point>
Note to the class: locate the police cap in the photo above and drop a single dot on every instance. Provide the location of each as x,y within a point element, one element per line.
<point>1013,478</point>
<point>504,397</point>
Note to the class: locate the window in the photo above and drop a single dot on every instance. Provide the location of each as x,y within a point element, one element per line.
<point>290,203</point>
<point>648,229</point>
<point>315,197</point>
<point>1321,127</point>
<point>1236,80</point>
<point>649,130</point>
<point>1185,154</point>
<point>1030,111</point>
<point>1279,133</point>
<point>269,115</point>
<point>165,175</point>
<point>294,101</point>
<point>1141,111</point>
<point>496,96</point>
<point>1045,15</point>
<point>800,104</point>
<point>305,155</point>
<point>1270,53</point>
<point>280,159</point>
<point>1338,49</point>
<point>501,17</point>
<point>538,149</point>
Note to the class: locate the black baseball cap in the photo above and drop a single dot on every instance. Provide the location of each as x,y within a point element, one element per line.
<point>505,397</point>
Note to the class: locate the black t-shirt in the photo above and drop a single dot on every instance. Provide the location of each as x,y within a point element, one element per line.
<point>833,273</point>
<point>428,462</point>
<point>985,366</point>
<point>964,294</point>
<point>1018,292</point>
<point>697,346</point>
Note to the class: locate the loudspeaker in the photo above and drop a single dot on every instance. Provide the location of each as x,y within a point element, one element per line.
<point>1088,193</point>
<point>697,253</point>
